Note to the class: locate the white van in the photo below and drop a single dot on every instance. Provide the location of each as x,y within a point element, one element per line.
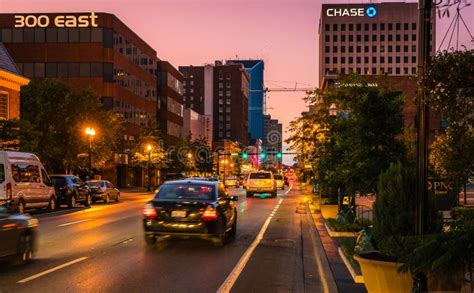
<point>24,183</point>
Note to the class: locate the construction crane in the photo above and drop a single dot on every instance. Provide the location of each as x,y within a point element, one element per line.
<point>281,89</point>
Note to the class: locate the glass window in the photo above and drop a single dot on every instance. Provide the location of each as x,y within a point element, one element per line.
<point>96,34</point>
<point>351,49</point>
<point>397,70</point>
<point>108,38</point>
<point>343,49</point>
<point>405,26</point>
<point>343,60</point>
<point>62,35</point>
<point>28,69</point>
<point>334,49</point>
<point>413,26</point>
<point>374,26</point>
<point>326,60</point>
<point>334,60</point>
<point>85,35</point>
<point>358,59</point>
<point>73,35</point>
<point>96,69</point>
<point>343,27</point>
<point>334,38</point>
<point>390,26</point>
<point>85,69</point>
<point>327,49</point>
<point>382,26</point>
<point>398,38</point>
<point>18,35</point>
<point>351,38</point>
<point>413,59</point>
<point>29,35</point>
<point>390,38</point>
<point>351,26</point>
<point>374,59</point>
<point>39,69</point>
<point>51,35</point>
<point>334,27</point>
<point>366,38</point>
<point>40,35</point>
<point>398,26</point>
<point>374,38</point>
<point>405,38</point>
<point>327,38</point>
<point>382,38</point>
<point>359,38</point>
<point>51,69</point>
<point>374,48</point>
<point>6,35</point>
<point>343,38</point>
<point>186,191</point>
<point>327,27</point>
<point>413,37</point>
<point>2,173</point>
<point>3,111</point>
<point>62,70</point>
<point>25,173</point>
<point>73,69</point>
<point>359,27</point>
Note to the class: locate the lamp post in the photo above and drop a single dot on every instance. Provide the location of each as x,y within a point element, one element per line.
<point>90,132</point>
<point>149,148</point>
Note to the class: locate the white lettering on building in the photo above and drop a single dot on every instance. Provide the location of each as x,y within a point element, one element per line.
<point>345,12</point>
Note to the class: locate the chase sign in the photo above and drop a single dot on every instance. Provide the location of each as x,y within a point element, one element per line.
<point>370,11</point>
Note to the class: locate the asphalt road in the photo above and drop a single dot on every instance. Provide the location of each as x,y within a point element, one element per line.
<point>101,249</point>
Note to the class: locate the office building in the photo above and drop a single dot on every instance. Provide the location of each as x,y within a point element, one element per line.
<point>369,39</point>
<point>254,69</point>
<point>273,134</point>
<point>220,93</point>
<point>194,125</point>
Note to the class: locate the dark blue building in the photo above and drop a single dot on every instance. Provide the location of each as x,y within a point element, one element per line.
<point>254,69</point>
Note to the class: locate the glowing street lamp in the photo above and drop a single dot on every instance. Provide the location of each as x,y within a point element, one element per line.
<point>90,132</point>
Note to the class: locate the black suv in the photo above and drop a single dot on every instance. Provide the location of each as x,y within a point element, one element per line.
<point>71,190</point>
<point>18,234</point>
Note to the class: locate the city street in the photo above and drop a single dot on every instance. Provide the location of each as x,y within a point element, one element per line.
<point>101,249</point>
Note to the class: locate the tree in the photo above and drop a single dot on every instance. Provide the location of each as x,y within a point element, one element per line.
<point>449,85</point>
<point>155,158</point>
<point>202,155</point>
<point>58,116</point>
<point>17,135</point>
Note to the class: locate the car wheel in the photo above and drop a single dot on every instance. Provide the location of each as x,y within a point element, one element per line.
<point>72,201</point>
<point>87,203</point>
<point>107,198</point>
<point>52,204</point>
<point>117,199</point>
<point>25,249</point>
<point>150,240</point>
<point>233,232</point>
<point>220,239</point>
<point>21,206</point>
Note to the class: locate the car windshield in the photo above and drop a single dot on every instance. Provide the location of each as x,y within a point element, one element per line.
<point>58,181</point>
<point>186,191</point>
<point>260,176</point>
<point>2,173</point>
<point>278,177</point>
<point>95,184</point>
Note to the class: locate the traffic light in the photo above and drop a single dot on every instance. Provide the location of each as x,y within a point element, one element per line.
<point>279,155</point>
<point>263,155</point>
<point>245,156</point>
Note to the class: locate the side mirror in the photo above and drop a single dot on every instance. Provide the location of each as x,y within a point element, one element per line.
<point>233,198</point>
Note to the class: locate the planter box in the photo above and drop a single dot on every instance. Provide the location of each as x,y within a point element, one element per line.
<point>359,279</point>
<point>383,276</point>
<point>329,211</point>
<point>335,234</point>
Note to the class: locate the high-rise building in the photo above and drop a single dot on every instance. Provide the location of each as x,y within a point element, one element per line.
<point>273,134</point>
<point>254,69</point>
<point>220,93</point>
<point>369,39</point>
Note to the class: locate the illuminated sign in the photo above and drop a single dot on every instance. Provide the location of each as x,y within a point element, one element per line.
<point>58,21</point>
<point>369,11</point>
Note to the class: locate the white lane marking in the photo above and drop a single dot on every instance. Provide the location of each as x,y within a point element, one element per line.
<point>52,270</point>
<point>279,202</point>
<point>72,223</point>
<point>286,192</point>
<point>239,267</point>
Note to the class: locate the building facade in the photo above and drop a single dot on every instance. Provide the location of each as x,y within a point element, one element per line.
<point>369,39</point>
<point>170,102</point>
<point>220,93</point>
<point>254,69</point>
<point>194,125</point>
<point>91,50</point>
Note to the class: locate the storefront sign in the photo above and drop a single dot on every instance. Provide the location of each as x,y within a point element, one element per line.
<point>369,11</point>
<point>442,192</point>
<point>58,21</point>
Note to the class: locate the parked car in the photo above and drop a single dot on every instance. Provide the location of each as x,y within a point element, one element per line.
<point>24,183</point>
<point>231,182</point>
<point>261,182</point>
<point>279,181</point>
<point>189,208</point>
<point>18,234</point>
<point>103,190</point>
<point>71,190</point>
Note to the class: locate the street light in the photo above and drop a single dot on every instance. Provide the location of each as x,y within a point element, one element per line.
<point>90,132</point>
<point>149,148</point>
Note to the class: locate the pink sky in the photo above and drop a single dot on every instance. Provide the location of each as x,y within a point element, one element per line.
<point>282,32</point>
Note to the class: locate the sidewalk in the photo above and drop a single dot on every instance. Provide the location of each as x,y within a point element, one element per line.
<point>343,279</point>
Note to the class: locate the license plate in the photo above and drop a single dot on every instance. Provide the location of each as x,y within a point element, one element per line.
<point>178,214</point>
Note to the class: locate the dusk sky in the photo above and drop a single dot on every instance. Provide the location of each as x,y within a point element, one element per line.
<point>193,32</point>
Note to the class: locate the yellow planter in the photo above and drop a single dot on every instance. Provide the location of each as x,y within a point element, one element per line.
<point>383,276</point>
<point>329,211</point>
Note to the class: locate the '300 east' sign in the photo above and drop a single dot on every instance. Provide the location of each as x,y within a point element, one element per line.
<point>59,20</point>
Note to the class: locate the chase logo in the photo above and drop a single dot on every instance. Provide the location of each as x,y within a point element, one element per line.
<point>371,11</point>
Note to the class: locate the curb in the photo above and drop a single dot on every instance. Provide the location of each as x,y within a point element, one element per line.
<point>359,279</point>
<point>335,234</point>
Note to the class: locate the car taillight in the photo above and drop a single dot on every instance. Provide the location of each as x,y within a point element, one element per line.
<point>209,214</point>
<point>9,191</point>
<point>149,211</point>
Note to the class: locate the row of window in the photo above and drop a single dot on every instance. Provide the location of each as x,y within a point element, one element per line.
<point>374,38</point>
<point>58,35</point>
<point>227,109</point>
<point>67,69</point>
<point>221,134</point>
<point>373,71</point>
<point>358,49</point>
<point>381,59</point>
<point>4,106</point>
<point>375,26</point>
